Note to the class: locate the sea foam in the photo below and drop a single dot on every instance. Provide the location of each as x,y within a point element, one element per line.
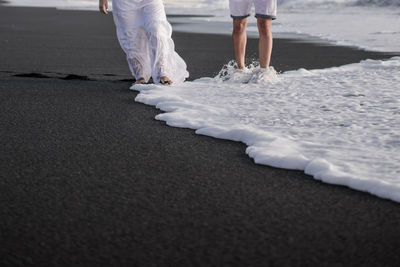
<point>341,125</point>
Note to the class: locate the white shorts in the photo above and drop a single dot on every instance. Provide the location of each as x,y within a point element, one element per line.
<point>240,9</point>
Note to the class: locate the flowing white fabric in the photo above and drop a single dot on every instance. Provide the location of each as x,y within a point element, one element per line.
<point>145,36</point>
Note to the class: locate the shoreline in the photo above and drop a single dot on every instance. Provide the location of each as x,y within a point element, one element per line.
<point>293,37</point>
<point>89,177</point>
<point>204,62</point>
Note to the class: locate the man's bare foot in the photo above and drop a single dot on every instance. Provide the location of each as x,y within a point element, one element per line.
<point>140,81</point>
<point>165,80</point>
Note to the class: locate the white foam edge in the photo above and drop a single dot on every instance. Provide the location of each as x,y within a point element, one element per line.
<point>265,148</point>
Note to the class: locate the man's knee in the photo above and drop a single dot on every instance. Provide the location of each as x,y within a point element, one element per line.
<point>239,26</point>
<point>264,26</point>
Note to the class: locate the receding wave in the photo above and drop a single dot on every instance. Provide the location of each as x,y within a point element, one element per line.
<point>340,125</point>
<point>379,2</point>
<point>321,3</point>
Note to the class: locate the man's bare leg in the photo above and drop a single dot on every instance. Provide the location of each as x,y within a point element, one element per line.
<point>239,39</point>
<point>265,42</point>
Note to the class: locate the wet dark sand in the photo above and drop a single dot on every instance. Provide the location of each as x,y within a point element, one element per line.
<point>88,177</point>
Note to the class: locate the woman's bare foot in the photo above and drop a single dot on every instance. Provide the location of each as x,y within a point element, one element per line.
<point>140,81</point>
<point>165,80</point>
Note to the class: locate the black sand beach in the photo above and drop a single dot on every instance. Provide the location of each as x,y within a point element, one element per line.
<point>88,177</point>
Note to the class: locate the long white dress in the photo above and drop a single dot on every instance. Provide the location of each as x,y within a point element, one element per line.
<point>145,36</point>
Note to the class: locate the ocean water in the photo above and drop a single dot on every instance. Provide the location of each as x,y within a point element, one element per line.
<point>341,125</point>
<point>368,24</point>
